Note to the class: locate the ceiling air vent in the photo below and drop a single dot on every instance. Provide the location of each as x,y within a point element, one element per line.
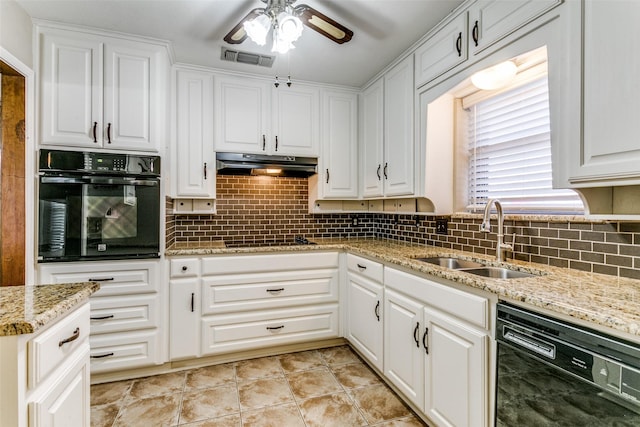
<point>247,57</point>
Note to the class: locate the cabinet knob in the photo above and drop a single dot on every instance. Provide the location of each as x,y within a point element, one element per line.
<point>184,268</point>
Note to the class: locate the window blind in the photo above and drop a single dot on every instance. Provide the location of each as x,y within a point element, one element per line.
<point>510,153</point>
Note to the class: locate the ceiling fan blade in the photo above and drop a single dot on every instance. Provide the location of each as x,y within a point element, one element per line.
<point>323,24</point>
<point>237,35</point>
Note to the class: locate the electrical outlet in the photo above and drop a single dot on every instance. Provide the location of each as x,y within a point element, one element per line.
<point>441,226</point>
<point>355,221</point>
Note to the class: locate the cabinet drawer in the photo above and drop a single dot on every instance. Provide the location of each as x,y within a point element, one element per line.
<point>365,267</point>
<point>242,292</point>
<point>464,305</point>
<point>124,350</point>
<point>184,267</point>
<point>232,332</point>
<point>268,262</point>
<point>124,313</point>
<point>50,348</point>
<point>115,278</point>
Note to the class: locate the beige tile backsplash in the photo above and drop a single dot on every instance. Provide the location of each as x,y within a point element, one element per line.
<point>268,210</point>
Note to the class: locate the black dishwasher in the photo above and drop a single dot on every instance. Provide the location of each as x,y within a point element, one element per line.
<point>554,373</point>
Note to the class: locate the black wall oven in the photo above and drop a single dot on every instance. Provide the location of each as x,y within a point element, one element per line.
<point>553,373</point>
<point>98,206</point>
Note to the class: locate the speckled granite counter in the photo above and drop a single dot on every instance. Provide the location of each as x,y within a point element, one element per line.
<point>25,309</point>
<point>609,301</point>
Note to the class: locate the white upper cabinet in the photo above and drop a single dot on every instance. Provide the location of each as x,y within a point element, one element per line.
<point>443,51</point>
<point>398,130</point>
<point>372,138</point>
<point>101,92</point>
<point>491,20</point>
<point>387,140</point>
<point>608,152</point>
<point>339,161</point>
<point>195,172</point>
<point>253,117</point>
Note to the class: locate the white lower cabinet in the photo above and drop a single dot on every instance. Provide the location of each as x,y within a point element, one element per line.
<point>127,328</point>
<point>45,375</point>
<point>436,348</point>
<point>364,316</point>
<point>221,304</point>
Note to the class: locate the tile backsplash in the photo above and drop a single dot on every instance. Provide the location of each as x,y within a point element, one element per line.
<point>270,210</point>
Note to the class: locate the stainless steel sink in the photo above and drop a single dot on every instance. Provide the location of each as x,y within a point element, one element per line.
<point>497,273</point>
<point>452,263</point>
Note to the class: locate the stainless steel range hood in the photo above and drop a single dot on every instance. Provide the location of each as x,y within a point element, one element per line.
<point>260,164</point>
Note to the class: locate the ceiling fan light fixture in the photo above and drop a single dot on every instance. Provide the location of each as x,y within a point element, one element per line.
<point>280,44</point>
<point>289,27</point>
<point>258,28</point>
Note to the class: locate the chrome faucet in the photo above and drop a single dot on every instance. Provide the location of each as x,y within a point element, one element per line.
<point>501,246</point>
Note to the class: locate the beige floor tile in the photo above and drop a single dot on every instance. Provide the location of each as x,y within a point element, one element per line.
<point>263,392</point>
<point>355,375</point>
<point>228,421</point>
<point>198,405</point>
<point>312,383</point>
<point>159,411</point>
<point>378,403</point>
<point>210,376</point>
<point>104,415</point>
<point>157,385</point>
<point>114,392</point>
<point>338,355</point>
<point>258,368</point>
<point>273,416</point>
<point>301,361</point>
<point>411,421</point>
<point>331,410</point>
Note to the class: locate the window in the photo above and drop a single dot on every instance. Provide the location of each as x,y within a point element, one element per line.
<point>509,150</point>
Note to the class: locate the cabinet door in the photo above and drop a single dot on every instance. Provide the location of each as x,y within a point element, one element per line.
<point>610,148</point>
<point>456,372</point>
<point>403,355</point>
<point>184,318</point>
<point>128,98</point>
<point>491,20</point>
<point>195,172</point>
<point>372,138</point>
<point>398,130</point>
<point>442,51</point>
<point>71,91</point>
<point>242,115</point>
<point>339,167</point>
<point>364,318</point>
<point>66,402</point>
<point>296,121</point>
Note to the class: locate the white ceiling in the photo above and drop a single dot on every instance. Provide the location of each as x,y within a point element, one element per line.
<point>383,29</point>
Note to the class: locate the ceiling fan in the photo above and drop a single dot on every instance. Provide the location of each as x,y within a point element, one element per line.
<point>285,21</point>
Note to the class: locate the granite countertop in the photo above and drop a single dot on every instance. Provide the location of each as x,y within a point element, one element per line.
<point>609,301</point>
<point>26,309</point>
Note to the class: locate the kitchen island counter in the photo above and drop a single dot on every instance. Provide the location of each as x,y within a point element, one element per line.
<point>27,309</point>
<point>608,301</point>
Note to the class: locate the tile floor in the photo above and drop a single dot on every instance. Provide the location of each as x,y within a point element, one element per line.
<point>327,387</point>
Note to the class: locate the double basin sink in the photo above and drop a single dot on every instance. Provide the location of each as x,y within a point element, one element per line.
<point>476,268</point>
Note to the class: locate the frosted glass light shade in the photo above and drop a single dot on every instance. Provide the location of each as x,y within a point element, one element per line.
<point>257,29</point>
<point>495,77</point>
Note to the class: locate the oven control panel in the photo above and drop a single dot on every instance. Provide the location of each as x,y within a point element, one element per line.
<point>93,162</point>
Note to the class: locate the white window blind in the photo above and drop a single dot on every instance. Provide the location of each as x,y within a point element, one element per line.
<point>510,153</point>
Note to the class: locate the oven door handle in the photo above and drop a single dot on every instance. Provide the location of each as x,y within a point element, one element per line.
<point>98,180</point>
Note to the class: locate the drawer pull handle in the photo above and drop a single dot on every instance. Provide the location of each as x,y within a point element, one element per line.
<point>362,267</point>
<point>378,171</point>
<point>95,135</point>
<point>424,340</point>
<point>459,44</point>
<point>377,310</point>
<point>111,316</point>
<point>100,356</point>
<point>415,334</point>
<point>193,302</point>
<point>106,279</point>
<point>73,337</point>
<point>109,133</point>
<point>274,328</point>
<point>275,291</point>
<point>475,33</point>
